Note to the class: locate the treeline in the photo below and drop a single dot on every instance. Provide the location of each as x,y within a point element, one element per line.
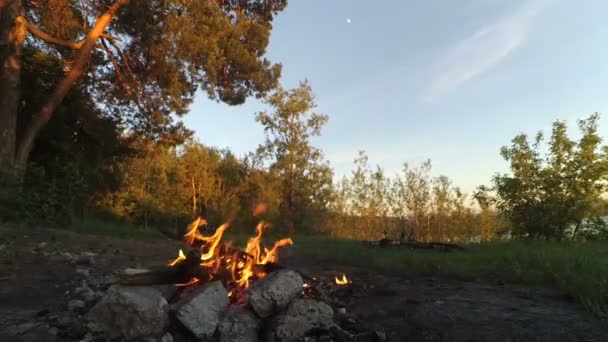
<point>89,96</point>
<point>412,205</point>
<point>86,165</point>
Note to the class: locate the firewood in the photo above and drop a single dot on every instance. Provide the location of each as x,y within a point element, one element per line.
<point>178,274</point>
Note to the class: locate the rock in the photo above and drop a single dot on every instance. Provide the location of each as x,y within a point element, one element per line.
<point>86,294</point>
<point>84,272</point>
<point>379,335</point>
<point>342,311</point>
<point>63,321</point>
<point>87,258</point>
<point>129,312</point>
<point>87,338</point>
<point>76,305</point>
<point>274,292</point>
<point>301,317</point>
<point>76,329</point>
<point>201,310</point>
<point>89,297</point>
<point>167,338</point>
<point>239,324</point>
<point>167,290</point>
<point>38,333</point>
<point>82,289</point>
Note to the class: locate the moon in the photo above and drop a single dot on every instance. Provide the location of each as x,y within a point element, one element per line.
<point>348,20</point>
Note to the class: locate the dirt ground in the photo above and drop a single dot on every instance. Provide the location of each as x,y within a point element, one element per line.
<point>39,269</point>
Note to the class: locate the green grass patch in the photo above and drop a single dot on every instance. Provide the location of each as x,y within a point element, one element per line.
<point>579,269</point>
<point>113,229</point>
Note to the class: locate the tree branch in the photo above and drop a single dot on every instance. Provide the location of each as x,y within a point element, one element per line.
<point>104,47</point>
<point>66,43</point>
<point>50,39</point>
<point>77,69</point>
<point>122,55</point>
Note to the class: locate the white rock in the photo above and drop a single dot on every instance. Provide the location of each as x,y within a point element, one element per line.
<point>301,317</point>
<point>275,292</point>
<point>129,312</point>
<point>239,324</point>
<point>202,309</point>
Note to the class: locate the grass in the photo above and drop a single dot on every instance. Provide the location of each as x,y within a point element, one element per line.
<point>579,269</point>
<point>113,229</point>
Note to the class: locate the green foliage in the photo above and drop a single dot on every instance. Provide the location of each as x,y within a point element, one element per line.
<point>558,195</point>
<point>73,160</point>
<point>52,194</point>
<point>305,178</point>
<point>579,269</point>
<point>409,206</point>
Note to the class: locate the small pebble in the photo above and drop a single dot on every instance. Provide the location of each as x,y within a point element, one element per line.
<point>167,338</point>
<point>83,272</point>
<point>342,311</point>
<point>76,305</point>
<point>379,335</point>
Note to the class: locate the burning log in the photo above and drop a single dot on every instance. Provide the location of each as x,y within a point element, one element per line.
<point>180,273</point>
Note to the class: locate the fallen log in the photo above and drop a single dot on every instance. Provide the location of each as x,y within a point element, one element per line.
<point>440,246</point>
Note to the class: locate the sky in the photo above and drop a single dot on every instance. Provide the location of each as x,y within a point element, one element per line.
<point>452,81</point>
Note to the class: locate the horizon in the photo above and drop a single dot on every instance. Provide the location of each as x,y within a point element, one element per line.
<point>453,93</point>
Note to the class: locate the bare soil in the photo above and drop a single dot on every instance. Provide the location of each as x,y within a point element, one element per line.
<point>40,268</point>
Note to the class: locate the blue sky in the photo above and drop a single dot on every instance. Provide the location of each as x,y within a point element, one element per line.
<point>452,81</point>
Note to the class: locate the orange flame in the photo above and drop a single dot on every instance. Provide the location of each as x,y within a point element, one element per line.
<point>219,259</point>
<point>342,281</point>
<point>191,282</point>
<point>180,257</point>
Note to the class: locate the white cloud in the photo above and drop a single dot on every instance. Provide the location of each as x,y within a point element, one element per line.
<point>483,50</point>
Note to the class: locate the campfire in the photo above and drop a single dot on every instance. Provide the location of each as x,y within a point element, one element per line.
<point>211,259</point>
<point>219,292</point>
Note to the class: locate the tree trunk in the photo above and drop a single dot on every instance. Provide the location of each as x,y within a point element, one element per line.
<point>12,35</point>
<point>78,67</point>
<point>194,211</point>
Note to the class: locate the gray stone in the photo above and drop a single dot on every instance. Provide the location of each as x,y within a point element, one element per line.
<point>167,290</point>
<point>167,338</point>
<point>84,272</point>
<point>64,321</point>
<point>76,305</point>
<point>300,318</point>
<point>38,333</point>
<point>239,324</point>
<point>86,294</point>
<point>275,292</point>
<point>379,335</point>
<point>201,310</point>
<point>129,312</point>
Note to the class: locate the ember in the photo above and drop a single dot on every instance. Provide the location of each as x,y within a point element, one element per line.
<point>235,267</point>
<point>342,281</point>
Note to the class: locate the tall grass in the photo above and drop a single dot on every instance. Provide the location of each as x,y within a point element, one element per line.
<point>579,269</point>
